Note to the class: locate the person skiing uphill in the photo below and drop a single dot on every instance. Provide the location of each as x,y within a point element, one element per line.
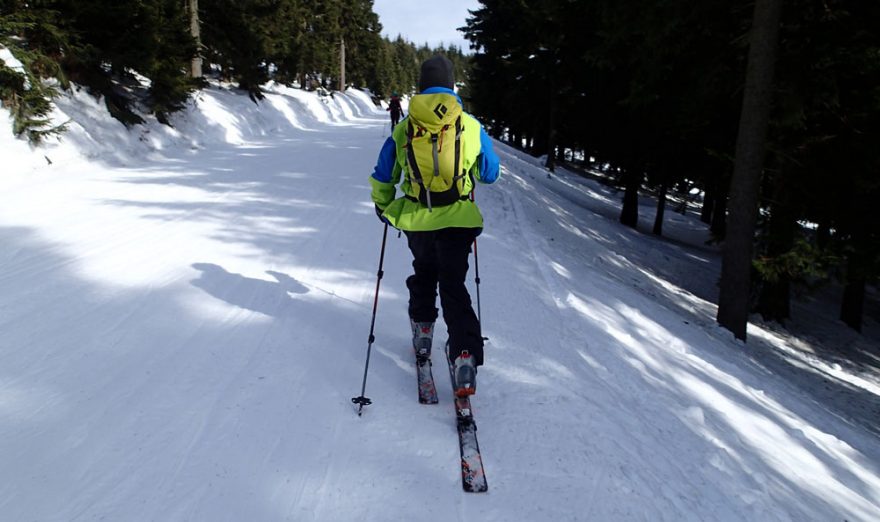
<point>395,109</point>
<point>436,154</point>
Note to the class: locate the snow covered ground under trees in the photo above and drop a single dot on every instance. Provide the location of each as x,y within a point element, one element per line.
<point>184,317</point>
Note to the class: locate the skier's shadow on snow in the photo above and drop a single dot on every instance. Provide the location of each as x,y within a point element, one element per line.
<point>266,297</point>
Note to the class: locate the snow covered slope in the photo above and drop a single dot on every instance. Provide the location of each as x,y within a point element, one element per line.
<point>184,317</point>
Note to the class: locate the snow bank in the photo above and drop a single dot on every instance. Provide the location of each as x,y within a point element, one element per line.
<point>215,115</point>
<point>184,319</point>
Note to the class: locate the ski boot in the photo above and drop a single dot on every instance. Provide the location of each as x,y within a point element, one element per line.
<point>423,338</point>
<point>465,374</point>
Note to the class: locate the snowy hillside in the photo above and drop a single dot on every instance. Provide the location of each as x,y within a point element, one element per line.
<point>184,317</point>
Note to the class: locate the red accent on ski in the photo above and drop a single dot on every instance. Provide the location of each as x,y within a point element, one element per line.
<point>465,392</point>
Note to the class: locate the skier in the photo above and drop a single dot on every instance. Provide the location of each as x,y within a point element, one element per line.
<point>441,151</point>
<point>395,108</point>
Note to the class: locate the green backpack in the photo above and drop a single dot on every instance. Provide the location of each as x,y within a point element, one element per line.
<point>433,150</point>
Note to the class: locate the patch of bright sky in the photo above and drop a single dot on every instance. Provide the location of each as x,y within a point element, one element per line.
<point>434,22</point>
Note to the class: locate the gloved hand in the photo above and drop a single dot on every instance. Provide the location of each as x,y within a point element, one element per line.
<point>382,218</point>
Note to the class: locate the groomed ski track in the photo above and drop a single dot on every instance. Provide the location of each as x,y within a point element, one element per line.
<point>184,320</point>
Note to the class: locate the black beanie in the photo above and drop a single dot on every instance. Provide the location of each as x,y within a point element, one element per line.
<point>436,72</point>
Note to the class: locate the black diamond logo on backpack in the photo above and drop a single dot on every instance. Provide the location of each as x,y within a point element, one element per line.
<point>440,110</point>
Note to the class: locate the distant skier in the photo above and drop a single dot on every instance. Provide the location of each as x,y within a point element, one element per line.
<point>395,108</point>
<point>441,151</point>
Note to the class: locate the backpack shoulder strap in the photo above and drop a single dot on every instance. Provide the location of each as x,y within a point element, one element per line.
<point>414,165</point>
<point>411,156</point>
<point>458,174</point>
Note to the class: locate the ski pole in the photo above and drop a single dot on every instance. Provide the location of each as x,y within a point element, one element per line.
<point>362,401</point>
<point>477,271</point>
<point>477,279</point>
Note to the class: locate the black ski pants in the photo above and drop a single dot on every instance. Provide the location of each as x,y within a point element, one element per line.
<point>440,258</point>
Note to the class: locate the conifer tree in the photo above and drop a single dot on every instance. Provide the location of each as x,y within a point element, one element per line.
<point>236,36</point>
<point>35,36</point>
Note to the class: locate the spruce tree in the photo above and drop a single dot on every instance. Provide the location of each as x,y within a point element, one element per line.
<point>35,36</point>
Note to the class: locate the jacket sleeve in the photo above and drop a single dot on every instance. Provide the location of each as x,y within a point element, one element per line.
<point>490,164</point>
<point>385,175</point>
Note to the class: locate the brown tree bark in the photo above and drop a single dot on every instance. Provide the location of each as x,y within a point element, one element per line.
<point>629,214</point>
<point>733,300</point>
<point>195,31</point>
<point>661,208</point>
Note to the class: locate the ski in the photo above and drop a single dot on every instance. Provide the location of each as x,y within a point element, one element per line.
<point>427,390</point>
<point>473,478</point>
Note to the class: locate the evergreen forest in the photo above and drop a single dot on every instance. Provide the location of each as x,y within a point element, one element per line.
<point>766,113</point>
<point>105,46</point>
<point>770,109</point>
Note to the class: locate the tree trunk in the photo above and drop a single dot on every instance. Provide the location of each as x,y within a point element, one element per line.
<point>853,304</point>
<point>858,265</point>
<point>342,64</point>
<point>539,141</point>
<point>551,130</point>
<point>629,214</point>
<point>709,195</point>
<point>718,227</point>
<point>684,189</point>
<point>774,301</point>
<point>733,300</point>
<point>661,208</point>
<point>195,31</point>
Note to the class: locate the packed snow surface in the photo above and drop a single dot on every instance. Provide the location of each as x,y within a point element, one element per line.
<point>185,315</point>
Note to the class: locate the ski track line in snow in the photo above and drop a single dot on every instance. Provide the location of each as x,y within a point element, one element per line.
<point>597,403</point>
<point>682,472</point>
<point>116,243</point>
<point>208,416</point>
<point>542,262</point>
